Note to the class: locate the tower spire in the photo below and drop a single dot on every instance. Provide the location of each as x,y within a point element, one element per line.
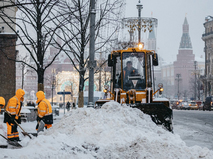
<point>185,39</point>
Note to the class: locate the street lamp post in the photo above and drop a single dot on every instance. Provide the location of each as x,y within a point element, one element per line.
<point>195,84</point>
<point>178,79</point>
<point>91,54</point>
<point>139,7</point>
<point>139,23</point>
<point>53,83</point>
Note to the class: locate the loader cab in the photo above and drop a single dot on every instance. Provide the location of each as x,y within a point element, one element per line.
<point>131,69</point>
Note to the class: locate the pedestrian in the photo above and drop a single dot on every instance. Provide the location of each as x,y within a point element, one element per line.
<point>73,105</point>
<point>68,106</point>
<point>2,103</point>
<point>44,110</point>
<point>12,115</point>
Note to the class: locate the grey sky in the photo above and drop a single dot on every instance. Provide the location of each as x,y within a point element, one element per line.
<point>170,15</point>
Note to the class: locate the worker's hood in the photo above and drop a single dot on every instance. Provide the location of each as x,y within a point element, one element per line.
<point>40,96</point>
<point>20,94</point>
<point>2,101</point>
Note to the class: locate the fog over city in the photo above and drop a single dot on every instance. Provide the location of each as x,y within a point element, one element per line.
<point>170,15</point>
<point>82,97</point>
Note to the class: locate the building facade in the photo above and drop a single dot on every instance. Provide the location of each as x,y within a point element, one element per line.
<point>208,49</point>
<point>7,53</point>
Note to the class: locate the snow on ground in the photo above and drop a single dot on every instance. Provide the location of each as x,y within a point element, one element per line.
<point>112,132</point>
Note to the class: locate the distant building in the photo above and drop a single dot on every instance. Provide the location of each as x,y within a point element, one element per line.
<point>180,76</point>
<point>10,12</point>
<point>59,76</point>
<point>208,49</point>
<point>184,65</point>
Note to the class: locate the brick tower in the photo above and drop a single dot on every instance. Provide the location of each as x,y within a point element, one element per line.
<point>184,65</point>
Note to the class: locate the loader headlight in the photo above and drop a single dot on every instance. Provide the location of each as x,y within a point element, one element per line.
<point>106,87</point>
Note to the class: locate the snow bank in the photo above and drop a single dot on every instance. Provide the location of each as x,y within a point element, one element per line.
<point>114,131</point>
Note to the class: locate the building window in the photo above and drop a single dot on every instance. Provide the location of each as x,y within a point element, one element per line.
<point>164,73</point>
<point>172,72</point>
<point>168,72</point>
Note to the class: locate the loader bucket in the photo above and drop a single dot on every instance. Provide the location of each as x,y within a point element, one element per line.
<point>160,114</point>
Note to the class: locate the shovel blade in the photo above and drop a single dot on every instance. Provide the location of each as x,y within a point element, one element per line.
<point>41,126</point>
<point>14,143</point>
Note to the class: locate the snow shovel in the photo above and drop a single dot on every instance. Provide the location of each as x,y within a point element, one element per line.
<point>14,143</point>
<point>24,132</point>
<point>34,134</point>
<point>41,126</point>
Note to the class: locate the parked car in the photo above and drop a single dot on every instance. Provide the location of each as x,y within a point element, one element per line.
<point>201,106</point>
<point>179,106</point>
<point>193,105</point>
<point>174,104</point>
<point>208,105</point>
<point>185,106</point>
<point>199,102</point>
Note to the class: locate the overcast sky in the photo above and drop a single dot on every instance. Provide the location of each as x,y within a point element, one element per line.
<point>170,15</point>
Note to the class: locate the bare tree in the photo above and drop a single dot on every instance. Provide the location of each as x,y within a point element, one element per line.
<point>195,84</point>
<point>37,23</point>
<point>106,27</point>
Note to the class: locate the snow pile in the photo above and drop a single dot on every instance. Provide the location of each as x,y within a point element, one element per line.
<point>114,131</point>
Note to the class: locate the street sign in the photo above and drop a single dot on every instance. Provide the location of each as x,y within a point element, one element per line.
<point>62,93</point>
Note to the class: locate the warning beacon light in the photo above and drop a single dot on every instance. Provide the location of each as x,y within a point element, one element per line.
<point>140,46</point>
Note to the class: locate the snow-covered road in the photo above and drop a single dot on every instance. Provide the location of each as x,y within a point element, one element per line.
<point>194,127</point>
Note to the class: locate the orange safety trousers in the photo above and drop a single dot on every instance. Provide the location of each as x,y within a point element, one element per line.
<point>12,132</point>
<point>47,126</point>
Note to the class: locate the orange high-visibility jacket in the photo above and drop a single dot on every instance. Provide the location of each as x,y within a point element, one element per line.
<point>2,103</point>
<point>14,106</point>
<point>44,106</point>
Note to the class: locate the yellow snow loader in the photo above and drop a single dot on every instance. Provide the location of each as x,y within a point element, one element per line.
<point>132,84</point>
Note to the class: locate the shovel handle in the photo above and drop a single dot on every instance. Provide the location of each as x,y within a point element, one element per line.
<point>11,142</point>
<point>3,136</point>
<point>20,127</point>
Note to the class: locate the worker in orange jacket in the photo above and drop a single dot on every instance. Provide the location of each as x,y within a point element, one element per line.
<point>12,114</point>
<point>44,110</point>
<point>2,103</point>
